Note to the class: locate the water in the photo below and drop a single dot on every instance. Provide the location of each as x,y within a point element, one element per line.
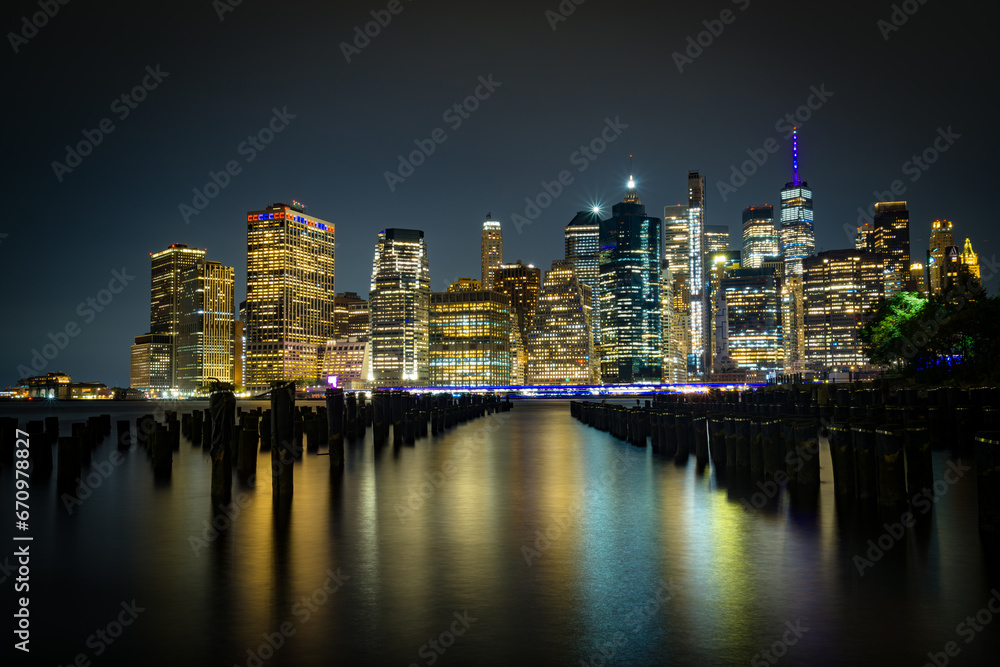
<point>644,563</point>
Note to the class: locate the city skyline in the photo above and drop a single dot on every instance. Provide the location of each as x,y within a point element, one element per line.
<point>333,155</point>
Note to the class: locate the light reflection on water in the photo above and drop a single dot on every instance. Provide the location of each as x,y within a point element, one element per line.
<point>448,525</point>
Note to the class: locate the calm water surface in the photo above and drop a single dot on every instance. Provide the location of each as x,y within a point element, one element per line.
<point>552,542</point>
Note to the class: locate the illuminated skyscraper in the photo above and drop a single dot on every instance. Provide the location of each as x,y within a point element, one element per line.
<point>941,237</point>
<point>675,235</point>
<point>582,237</point>
<point>399,305</point>
<point>347,360</point>
<point>720,264</point>
<point>716,239</point>
<point>842,288</point>
<point>697,281</point>
<point>676,257</point>
<point>971,260</point>
<point>891,239</point>
<point>560,346</point>
<point>290,295</point>
<point>204,342</point>
<point>864,238</point>
<point>798,239</point>
<point>150,363</point>
<point>749,301</point>
<point>470,337</point>
<point>491,249</point>
<point>918,278</point>
<point>760,238</point>
<point>520,282</point>
<point>629,293</point>
<point>350,316</point>
<point>168,266</point>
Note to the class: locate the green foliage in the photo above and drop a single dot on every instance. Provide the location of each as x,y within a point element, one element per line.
<point>953,336</point>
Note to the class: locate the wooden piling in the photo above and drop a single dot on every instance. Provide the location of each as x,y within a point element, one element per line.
<point>865,463</point>
<point>247,464</point>
<point>124,434</point>
<point>68,461</point>
<point>222,407</point>
<point>843,460</point>
<point>163,445</point>
<point>335,425</point>
<point>282,440</point>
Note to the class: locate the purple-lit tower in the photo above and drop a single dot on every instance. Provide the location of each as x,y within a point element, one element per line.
<point>798,239</point>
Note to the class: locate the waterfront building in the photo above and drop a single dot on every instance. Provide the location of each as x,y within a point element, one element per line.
<point>470,336</point>
<point>629,293</point>
<point>842,289</point>
<point>560,345</point>
<point>399,309</point>
<point>290,295</point>
<point>491,249</point>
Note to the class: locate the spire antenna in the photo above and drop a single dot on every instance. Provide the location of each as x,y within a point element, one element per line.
<point>795,155</point>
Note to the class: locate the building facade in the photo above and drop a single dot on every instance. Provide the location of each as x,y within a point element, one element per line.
<point>491,249</point>
<point>942,236</point>
<point>205,340</point>
<point>150,363</point>
<point>750,305</point>
<point>842,289</point>
<point>698,306</point>
<point>470,337</point>
<point>350,314</point>
<point>629,294</point>
<point>760,238</point>
<point>345,362</point>
<point>290,295</point>
<point>399,309</point>
<point>891,239</point>
<point>165,310</point>
<point>521,283</point>
<point>560,345</point>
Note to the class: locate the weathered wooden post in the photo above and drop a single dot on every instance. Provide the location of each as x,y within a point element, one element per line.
<point>248,452</point>
<point>756,449</point>
<point>742,445</point>
<point>352,415</point>
<point>82,432</point>
<point>264,431</point>
<point>124,434</point>
<point>379,426</point>
<point>807,448</point>
<point>682,431</point>
<point>865,464</point>
<point>988,478</point>
<point>842,458</point>
<point>891,467</point>
<point>282,439</point>
<point>717,441</point>
<point>222,406</point>
<point>730,434</point>
<point>68,465</point>
<point>771,446</point>
<point>163,445</point>
<point>919,467</point>
<point>335,425</point>
<point>396,415</point>
<point>41,449</point>
<point>699,432</point>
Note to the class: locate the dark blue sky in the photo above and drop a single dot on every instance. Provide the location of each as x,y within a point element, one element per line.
<point>885,101</point>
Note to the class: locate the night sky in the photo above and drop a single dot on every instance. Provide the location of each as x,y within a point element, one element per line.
<point>220,81</point>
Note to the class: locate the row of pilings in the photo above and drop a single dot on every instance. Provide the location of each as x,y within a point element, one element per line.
<point>233,436</point>
<point>880,440</point>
